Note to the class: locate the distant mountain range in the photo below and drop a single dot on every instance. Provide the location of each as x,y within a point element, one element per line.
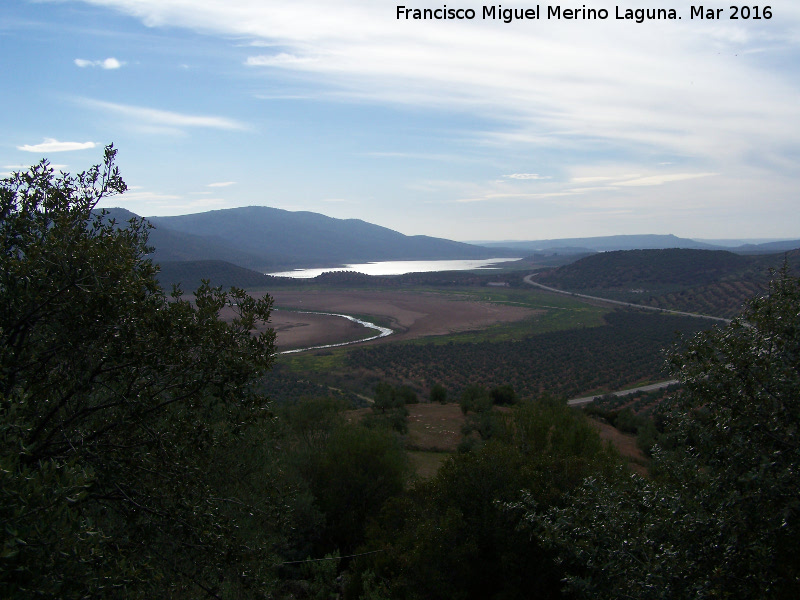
<point>237,246</point>
<point>640,242</point>
<point>270,239</point>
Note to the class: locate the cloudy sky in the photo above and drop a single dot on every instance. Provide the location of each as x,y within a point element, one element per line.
<point>466,129</point>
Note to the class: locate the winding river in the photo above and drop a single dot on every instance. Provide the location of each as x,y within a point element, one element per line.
<point>382,332</point>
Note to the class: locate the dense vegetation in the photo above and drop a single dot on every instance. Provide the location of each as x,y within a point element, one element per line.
<point>720,518</point>
<point>140,458</point>
<point>625,351</point>
<point>129,420</point>
<point>190,275</point>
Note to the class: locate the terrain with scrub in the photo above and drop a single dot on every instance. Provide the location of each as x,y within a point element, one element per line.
<point>540,343</point>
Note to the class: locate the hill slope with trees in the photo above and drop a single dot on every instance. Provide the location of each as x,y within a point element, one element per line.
<point>713,282</point>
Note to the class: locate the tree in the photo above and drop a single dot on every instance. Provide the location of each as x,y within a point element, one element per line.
<point>438,393</point>
<point>351,478</point>
<point>389,408</point>
<point>721,517</point>
<point>503,395</point>
<point>124,413</point>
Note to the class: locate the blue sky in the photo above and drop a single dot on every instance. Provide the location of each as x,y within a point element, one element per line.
<point>469,130</point>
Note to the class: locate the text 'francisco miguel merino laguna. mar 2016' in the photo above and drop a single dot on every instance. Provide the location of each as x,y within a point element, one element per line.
<point>584,13</point>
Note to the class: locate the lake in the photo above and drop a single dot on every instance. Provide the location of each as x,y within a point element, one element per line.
<point>400,267</point>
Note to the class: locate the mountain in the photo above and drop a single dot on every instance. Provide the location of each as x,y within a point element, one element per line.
<point>263,238</point>
<point>175,246</point>
<point>603,244</point>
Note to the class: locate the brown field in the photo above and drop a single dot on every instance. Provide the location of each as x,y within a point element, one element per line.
<point>410,314</point>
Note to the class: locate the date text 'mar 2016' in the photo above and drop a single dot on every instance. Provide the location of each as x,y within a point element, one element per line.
<point>736,12</point>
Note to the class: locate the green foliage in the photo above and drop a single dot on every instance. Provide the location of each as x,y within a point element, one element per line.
<point>389,409</point>
<point>311,421</point>
<point>438,394</point>
<point>351,478</point>
<point>449,537</point>
<point>475,398</point>
<point>722,516</point>
<point>503,395</point>
<point>120,408</point>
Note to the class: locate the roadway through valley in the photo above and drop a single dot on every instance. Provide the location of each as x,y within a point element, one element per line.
<point>644,388</point>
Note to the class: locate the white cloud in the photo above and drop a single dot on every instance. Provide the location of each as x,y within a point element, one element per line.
<point>526,176</point>
<point>108,64</point>
<point>662,179</point>
<point>277,60</point>
<point>665,87</point>
<point>156,120</point>
<point>53,145</point>
<point>221,184</point>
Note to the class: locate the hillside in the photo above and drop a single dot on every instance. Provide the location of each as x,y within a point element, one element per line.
<point>190,273</point>
<point>714,282</point>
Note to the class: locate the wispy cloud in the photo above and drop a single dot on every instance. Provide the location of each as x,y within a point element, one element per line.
<point>282,59</point>
<point>526,176</point>
<point>53,145</point>
<point>109,64</point>
<point>221,184</point>
<point>163,120</point>
<point>662,179</point>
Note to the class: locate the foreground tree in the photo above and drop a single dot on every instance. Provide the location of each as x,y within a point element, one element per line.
<point>721,517</point>
<point>123,412</point>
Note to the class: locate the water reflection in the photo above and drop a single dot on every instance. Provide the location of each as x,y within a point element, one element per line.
<point>399,267</point>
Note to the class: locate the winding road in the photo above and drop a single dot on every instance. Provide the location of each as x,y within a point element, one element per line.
<point>644,388</point>
<point>529,280</point>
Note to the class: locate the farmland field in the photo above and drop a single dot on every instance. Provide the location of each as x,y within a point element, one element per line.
<point>411,314</point>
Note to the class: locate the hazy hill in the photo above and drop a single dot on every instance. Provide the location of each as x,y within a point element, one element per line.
<point>768,247</point>
<point>283,237</point>
<point>603,244</point>
<point>683,267</point>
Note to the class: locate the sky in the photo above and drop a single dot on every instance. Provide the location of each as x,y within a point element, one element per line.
<point>467,129</point>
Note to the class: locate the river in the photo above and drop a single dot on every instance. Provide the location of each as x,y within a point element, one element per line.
<point>382,332</point>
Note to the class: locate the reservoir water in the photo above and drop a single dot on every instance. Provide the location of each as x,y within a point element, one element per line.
<point>400,267</point>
